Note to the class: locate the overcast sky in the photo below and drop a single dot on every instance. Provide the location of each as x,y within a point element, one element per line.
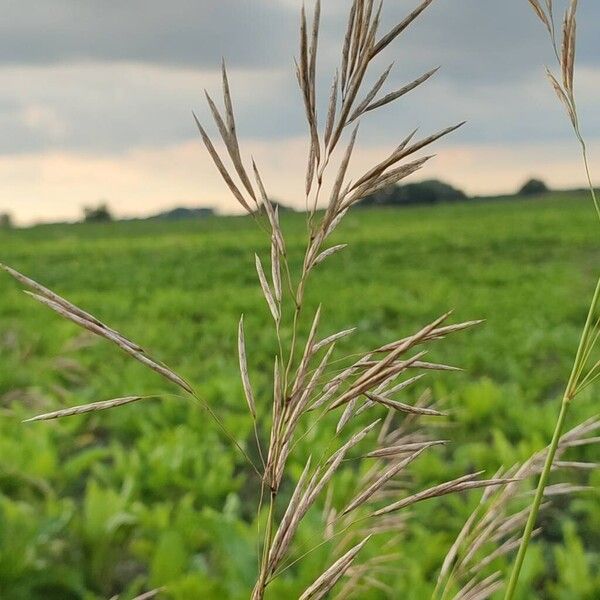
<point>96,98</point>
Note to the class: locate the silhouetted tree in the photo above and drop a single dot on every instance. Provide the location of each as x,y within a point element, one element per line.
<point>533,187</point>
<point>423,192</point>
<point>97,214</point>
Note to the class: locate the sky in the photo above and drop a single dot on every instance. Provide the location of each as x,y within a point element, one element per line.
<point>96,99</point>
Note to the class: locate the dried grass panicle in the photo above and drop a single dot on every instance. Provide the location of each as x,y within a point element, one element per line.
<point>85,408</point>
<point>541,13</point>
<point>388,474</point>
<point>321,587</point>
<point>308,354</point>
<point>383,180</point>
<point>461,484</point>
<point>333,338</point>
<point>271,212</point>
<point>568,47</point>
<point>335,198</point>
<point>227,130</point>
<point>85,320</point>
<point>266,288</point>
<point>361,577</point>
<point>399,387</point>
<point>392,451</point>
<point>347,415</point>
<point>299,402</point>
<point>232,140</point>
<point>362,107</point>
<point>244,369</point>
<point>565,51</point>
<point>387,39</point>
<point>276,270</point>
<point>493,529</point>
<point>146,596</point>
<point>221,167</point>
<point>392,96</point>
<point>482,589</point>
<point>68,306</point>
<point>291,518</point>
<point>401,407</point>
<point>306,72</point>
<point>95,326</point>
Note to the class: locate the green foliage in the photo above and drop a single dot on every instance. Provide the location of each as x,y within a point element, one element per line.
<point>577,573</point>
<point>151,494</point>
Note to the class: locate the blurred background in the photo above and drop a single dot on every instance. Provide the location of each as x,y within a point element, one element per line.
<point>99,151</point>
<point>96,98</point>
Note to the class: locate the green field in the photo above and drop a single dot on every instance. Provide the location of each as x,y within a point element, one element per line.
<point>152,495</point>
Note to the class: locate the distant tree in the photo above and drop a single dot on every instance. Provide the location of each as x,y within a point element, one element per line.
<point>533,187</point>
<point>5,221</point>
<point>97,214</point>
<point>423,192</point>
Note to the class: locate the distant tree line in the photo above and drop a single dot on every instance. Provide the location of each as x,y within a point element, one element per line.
<point>101,213</point>
<point>180,213</point>
<point>433,191</point>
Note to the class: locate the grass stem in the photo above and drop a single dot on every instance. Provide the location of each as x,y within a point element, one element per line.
<point>570,392</point>
<point>535,507</point>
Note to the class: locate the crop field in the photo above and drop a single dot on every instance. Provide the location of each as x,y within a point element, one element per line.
<point>152,494</point>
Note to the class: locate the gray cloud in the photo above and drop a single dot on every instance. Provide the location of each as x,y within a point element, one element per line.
<point>104,107</point>
<point>475,38</point>
<point>102,76</point>
<point>180,32</point>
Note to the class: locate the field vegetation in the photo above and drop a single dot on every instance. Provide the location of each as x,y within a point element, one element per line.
<point>153,495</point>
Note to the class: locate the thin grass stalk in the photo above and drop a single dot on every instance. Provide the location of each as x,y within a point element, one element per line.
<point>566,60</point>
<point>495,523</point>
<point>568,396</point>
